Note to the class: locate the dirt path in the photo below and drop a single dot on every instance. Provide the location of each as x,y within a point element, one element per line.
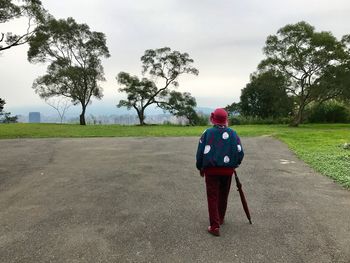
<point>141,200</point>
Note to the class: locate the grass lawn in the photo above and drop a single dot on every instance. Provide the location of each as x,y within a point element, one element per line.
<point>319,145</point>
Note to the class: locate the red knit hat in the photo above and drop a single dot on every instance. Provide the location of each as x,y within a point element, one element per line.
<point>219,117</point>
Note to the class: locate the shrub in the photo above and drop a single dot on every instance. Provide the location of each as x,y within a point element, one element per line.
<point>237,120</point>
<point>202,120</point>
<point>329,112</point>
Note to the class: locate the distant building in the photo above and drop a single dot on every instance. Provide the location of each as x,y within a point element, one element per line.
<point>34,117</point>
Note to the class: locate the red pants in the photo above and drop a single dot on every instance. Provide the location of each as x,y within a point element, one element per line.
<point>218,188</point>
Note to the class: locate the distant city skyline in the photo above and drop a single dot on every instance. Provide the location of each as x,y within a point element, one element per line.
<point>224,38</point>
<point>100,110</point>
<point>101,115</point>
<point>97,108</point>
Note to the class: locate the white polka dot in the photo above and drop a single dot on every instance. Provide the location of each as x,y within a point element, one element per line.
<point>226,159</point>
<point>239,148</point>
<point>207,149</point>
<point>200,141</point>
<point>225,136</point>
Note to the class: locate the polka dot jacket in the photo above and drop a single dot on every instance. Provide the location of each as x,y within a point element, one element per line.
<point>219,151</point>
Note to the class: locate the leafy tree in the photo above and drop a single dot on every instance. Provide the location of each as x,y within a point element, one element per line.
<point>2,104</point>
<point>74,53</point>
<point>139,93</point>
<point>161,65</point>
<point>302,55</point>
<point>5,117</point>
<point>344,76</point>
<point>8,118</point>
<point>265,96</point>
<point>9,10</point>
<point>182,105</point>
<point>234,108</point>
<point>335,82</point>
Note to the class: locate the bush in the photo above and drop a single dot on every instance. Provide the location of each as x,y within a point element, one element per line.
<point>234,121</point>
<point>202,120</point>
<point>329,112</point>
<point>237,120</point>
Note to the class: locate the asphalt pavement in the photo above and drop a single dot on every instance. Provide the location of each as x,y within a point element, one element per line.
<point>142,200</point>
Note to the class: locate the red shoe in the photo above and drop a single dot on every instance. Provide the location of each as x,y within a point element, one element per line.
<point>214,231</point>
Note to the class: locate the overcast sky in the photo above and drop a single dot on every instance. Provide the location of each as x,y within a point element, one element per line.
<point>225,39</point>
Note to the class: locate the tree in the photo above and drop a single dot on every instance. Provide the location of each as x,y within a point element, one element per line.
<point>182,105</point>
<point>61,105</point>
<point>139,93</point>
<point>335,81</point>
<point>2,104</point>
<point>302,56</point>
<point>9,10</point>
<point>75,68</point>
<point>234,108</point>
<point>5,117</point>
<point>344,75</point>
<point>265,96</point>
<point>162,65</point>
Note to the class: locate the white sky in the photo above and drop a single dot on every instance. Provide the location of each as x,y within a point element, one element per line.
<point>225,39</point>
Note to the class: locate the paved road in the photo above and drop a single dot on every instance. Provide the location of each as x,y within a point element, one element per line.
<point>141,200</point>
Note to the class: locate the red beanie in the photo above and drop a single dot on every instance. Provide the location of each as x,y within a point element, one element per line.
<point>219,117</point>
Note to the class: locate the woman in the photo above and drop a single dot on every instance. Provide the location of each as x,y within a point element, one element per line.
<point>219,153</point>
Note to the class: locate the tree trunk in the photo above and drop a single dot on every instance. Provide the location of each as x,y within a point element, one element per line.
<point>140,114</point>
<point>299,117</point>
<point>82,116</point>
<point>142,117</point>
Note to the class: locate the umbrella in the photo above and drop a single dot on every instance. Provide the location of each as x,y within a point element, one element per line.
<point>244,201</point>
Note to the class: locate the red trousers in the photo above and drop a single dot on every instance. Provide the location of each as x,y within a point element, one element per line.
<point>218,188</point>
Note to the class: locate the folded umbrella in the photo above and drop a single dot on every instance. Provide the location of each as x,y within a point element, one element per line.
<point>241,194</point>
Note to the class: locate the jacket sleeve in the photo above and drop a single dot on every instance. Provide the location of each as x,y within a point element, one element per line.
<point>239,149</point>
<point>200,151</point>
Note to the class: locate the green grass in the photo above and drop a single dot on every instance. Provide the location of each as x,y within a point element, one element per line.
<point>24,130</point>
<point>319,145</point>
<point>46,130</point>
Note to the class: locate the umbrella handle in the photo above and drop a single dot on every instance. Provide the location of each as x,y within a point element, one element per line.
<point>238,183</point>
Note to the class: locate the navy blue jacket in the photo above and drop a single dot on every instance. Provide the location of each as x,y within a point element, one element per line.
<point>219,147</point>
